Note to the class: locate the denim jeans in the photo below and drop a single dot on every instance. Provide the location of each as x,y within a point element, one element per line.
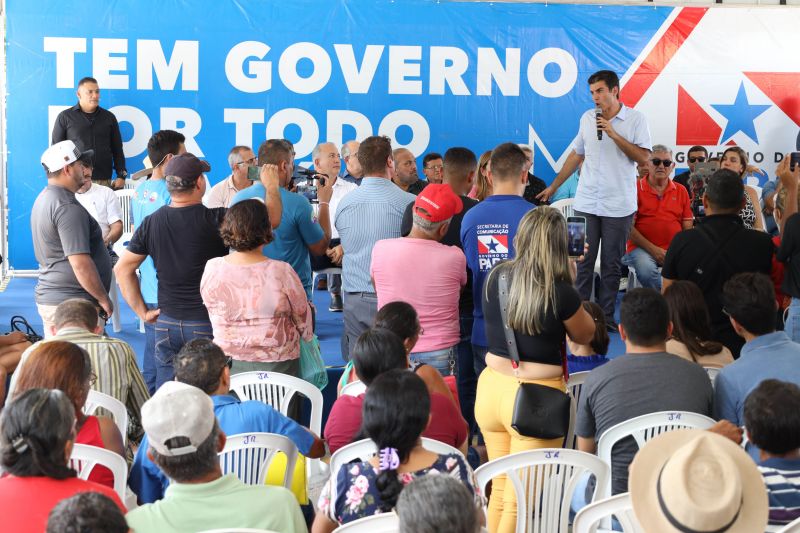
<point>170,335</point>
<point>148,362</point>
<point>792,325</point>
<point>647,270</point>
<point>479,358</point>
<point>467,381</point>
<point>443,360</point>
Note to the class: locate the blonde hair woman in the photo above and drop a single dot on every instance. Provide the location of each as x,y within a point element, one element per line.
<point>482,187</point>
<point>543,307</point>
<point>735,159</point>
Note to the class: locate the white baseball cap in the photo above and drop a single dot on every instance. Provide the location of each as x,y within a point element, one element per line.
<point>62,154</point>
<point>178,410</point>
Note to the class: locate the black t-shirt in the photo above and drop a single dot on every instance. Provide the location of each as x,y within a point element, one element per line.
<point>683,179</point>
<point>789,253</point>
<point>451,238</point>
<point>180,240</point>
<point>745,250</point>
<point>543,348</point>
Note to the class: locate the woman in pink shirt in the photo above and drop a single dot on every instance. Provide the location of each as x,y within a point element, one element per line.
<point>258,307</point>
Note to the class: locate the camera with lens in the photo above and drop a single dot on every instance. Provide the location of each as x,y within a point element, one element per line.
<point>307,184</point>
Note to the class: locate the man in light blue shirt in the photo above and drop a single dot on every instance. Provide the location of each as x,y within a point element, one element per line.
<point>749,301</point>
<point>372,212</point>
<point>611,140</point>
<point>203,364</point>
<point>298,233</point>
<point>147,199</point>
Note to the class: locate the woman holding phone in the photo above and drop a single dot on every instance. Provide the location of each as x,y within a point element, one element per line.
<point>543,308</point>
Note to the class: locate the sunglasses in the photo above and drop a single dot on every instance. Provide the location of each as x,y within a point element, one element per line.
<point>665,162</point>
<point>700,159</point>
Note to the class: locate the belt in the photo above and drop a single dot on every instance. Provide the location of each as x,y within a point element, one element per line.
<point>362,294</point>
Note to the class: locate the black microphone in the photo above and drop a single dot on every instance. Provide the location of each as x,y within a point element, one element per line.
<point>597,115</point>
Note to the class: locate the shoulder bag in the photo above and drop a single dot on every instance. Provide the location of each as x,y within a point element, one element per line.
<point>539,411</point>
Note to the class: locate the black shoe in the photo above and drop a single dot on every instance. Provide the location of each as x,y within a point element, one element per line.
<point>336,303</point>
<point>612,326</point>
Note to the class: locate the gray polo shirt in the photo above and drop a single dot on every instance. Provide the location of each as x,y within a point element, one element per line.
<point>62,227</point>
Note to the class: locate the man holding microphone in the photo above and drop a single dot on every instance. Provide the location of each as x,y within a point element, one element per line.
<point>611,140</point>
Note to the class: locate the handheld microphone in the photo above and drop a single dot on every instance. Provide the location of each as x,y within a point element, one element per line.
<point>597,114</point>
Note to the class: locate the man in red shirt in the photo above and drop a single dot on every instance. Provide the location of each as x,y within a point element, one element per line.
<point>663,210</point>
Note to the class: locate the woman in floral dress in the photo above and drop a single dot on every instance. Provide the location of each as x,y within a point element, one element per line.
<point>396,411</point>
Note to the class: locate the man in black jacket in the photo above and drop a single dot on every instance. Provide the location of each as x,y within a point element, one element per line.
<point>91,127</point>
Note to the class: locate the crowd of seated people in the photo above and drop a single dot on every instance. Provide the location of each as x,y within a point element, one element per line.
<point>234,295</point>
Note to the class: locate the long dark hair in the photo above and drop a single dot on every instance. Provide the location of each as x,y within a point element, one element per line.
<point>34,431</point>
<point>395,413</point>
<point>400,318</point>
<point>691,324</point>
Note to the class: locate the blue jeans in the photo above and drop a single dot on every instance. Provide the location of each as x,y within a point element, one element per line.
<point>443,360</point>
<point>647,270</point>
<point>467,381</point>
<point>479,358</point>
<point>792,325</point>
<point>171,334</point>
<point>148,362</point>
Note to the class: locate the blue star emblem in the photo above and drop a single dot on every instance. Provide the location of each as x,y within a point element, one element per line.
<point>740,116</point>
<point>493,245</point>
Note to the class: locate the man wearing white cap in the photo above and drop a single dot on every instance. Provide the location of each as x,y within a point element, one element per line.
<point>184,440</point>
<point>68,243</point>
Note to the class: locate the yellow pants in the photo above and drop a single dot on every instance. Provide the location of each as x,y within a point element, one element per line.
<point>494,407</point>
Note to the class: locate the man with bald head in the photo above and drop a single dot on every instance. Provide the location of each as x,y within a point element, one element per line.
<point>327,162</point>
<point>351,168</point>
<point>405,172</point>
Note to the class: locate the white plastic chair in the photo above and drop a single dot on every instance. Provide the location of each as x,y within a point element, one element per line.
<point>574,387</point>
<point>645,427</point>
<point>125,197</point>
<point>565,206</point>
<point>712,372</point>
<point>248,456</point>
<point>277,390</point>
<point>793,527</point>
<point>354,388</point>
<point>119,412</point>
<point>379,523</point>
<point>544,482</point>
<point>619,506</point>
<point>85,457</point>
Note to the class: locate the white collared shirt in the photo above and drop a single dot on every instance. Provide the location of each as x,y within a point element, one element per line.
<point>607,186</point>
<point>340,189</point>
<point>102,203</point>
<point>221,194</point>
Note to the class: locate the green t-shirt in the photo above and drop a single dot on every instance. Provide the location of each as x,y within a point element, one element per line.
<point>223,503</point>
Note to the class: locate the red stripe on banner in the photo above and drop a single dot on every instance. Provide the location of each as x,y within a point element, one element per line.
<point>661,54</point>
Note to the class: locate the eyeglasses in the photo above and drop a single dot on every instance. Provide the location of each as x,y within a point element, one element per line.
<point>248,162</point>
<point>665,162</point>
<point>700,159</point>
<point>92,379</point>
<point>435,168</point>
<point>229,362</point>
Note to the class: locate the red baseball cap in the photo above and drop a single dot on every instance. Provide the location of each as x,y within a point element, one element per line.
<point>437,202</point>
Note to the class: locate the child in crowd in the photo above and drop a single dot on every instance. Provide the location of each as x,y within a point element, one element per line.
<point>585,357</point>
<point>772,421</point>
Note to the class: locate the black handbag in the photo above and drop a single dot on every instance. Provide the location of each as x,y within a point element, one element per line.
<point>540,412</point>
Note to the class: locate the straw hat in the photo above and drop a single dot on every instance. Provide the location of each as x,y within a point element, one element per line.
<point>695,481</point>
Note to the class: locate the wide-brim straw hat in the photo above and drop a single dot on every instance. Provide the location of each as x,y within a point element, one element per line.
<point>691,480</point>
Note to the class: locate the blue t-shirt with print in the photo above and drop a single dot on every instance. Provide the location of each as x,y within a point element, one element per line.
<point>295,233</point>
<point>487,234</point>
<point>148,198</point>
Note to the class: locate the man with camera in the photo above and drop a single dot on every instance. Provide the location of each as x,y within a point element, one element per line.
<point>663,210</point>
<point>298,233</point>
<point>328,164</point>
<point>240,159</point>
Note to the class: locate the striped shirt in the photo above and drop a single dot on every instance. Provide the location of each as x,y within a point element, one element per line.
<point>782,478</point>
<point>114,363</point>
<point>365,216</point>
